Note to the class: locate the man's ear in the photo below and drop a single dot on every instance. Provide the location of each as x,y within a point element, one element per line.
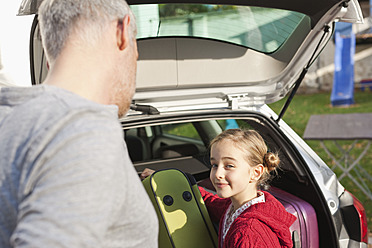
<point>122,33</point>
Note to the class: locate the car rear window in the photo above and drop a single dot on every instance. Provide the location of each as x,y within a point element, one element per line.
<point>261,29</point>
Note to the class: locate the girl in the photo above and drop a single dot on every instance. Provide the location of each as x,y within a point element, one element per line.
<point>248,217</point>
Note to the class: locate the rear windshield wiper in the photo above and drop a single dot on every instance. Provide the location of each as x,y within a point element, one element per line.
<point>146,109</point>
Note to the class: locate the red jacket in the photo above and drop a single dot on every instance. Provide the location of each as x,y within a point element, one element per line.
<point>261,225</point>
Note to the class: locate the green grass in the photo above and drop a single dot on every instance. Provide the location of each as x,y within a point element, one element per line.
<point>297,116</point>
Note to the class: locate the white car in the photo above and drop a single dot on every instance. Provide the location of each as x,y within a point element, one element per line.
<point>215,64</point>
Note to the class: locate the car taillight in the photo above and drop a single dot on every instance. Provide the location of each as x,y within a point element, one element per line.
<point>363,219</point>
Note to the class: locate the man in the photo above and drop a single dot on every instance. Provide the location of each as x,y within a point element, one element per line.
<point>66,179</point>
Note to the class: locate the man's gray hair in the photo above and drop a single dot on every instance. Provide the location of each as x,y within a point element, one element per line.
<point>85,18</point>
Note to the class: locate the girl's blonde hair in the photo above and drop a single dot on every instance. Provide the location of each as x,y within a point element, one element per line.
<point>251,142</point>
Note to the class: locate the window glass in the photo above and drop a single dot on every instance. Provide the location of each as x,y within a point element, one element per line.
<point>182,129</point>
<point>262,29</point>
<point>222,124</point>
<point>149,133</point>
<point>232,123</point>
<point>243,124</point>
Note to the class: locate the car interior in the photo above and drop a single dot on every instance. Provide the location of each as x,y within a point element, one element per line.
<point>185,146</point>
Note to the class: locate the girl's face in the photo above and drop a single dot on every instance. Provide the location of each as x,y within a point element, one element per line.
<point>231,174</point>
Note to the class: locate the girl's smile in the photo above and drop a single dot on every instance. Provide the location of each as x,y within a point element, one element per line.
<point>221,185</point>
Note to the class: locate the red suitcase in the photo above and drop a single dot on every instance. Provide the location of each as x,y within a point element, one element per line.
<point>305,229</point>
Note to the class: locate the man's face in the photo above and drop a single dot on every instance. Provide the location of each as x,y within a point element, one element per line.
<point>126,75</point>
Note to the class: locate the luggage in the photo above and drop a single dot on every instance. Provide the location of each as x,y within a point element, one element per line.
<point>183,217</point>
<point>305,229</point>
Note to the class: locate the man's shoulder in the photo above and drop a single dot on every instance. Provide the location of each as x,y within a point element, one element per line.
<point>43,114</point>
<point>48,98</point>
<point>46,105</point>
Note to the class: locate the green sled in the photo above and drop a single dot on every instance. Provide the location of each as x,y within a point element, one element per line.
<point>183,217</point>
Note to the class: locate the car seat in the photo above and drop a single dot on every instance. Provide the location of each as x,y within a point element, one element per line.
<point>173,151</point>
